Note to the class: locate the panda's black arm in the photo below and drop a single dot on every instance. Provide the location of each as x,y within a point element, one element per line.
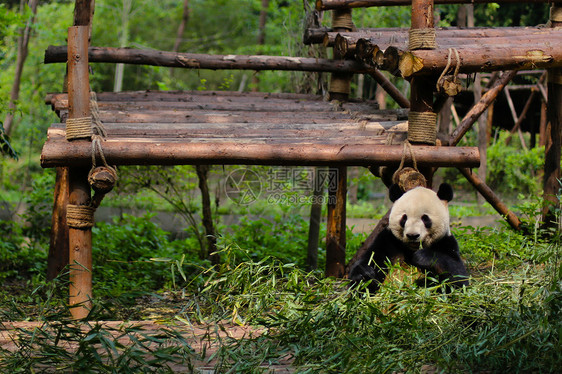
<point>373,264</point>
<point>442,259</point>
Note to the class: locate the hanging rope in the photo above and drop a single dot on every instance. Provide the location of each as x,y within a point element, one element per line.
<point>408,177</point>
<point>421,39</point>
<point>450,85</point>
<point>422,127</point>
<point>102,178</point>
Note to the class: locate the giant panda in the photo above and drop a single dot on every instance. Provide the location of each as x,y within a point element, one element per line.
<point>418,233</point>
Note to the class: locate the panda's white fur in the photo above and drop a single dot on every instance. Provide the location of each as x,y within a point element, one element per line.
<point>419,216</point>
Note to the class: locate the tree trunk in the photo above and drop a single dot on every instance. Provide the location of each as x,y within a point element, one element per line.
<point>261,40</point>
<point>23,42</point>
<point>210,235</point>
<point>181,27</point>
<point>123,41</point>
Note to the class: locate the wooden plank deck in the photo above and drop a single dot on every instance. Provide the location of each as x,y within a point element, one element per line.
<point>195,127</point>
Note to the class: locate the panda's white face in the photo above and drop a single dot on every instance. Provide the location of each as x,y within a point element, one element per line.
<point>419,216</point>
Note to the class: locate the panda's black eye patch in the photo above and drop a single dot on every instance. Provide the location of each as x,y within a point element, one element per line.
<point>403,220</point>
<point>426,221</point>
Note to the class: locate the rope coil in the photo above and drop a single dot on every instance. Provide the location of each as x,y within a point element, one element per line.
<point>421,39</point>
<point>408,177</point>
<point>450,85</point>
<point>556,13</point>
<point>101,179</point>
<point>343,20</point>
<point>422,127</point>
<point>80,216</point>
<point>78,128</point>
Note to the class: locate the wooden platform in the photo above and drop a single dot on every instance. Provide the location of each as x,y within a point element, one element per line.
<point>210,127</point>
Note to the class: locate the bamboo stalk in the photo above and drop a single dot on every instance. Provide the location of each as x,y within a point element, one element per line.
<point>344,4</point>
<point>205,61</point>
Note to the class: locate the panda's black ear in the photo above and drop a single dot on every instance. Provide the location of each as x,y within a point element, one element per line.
<point>394,192</point>
<point>445,192</point>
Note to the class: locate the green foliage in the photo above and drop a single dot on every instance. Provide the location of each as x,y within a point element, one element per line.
<point>19,260</point>
<point>281,237</point>
<point>134,254</point>
<point>5,146</point>
<point>511,169</point>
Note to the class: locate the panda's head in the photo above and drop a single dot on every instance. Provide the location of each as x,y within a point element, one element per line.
<point>420,215</point>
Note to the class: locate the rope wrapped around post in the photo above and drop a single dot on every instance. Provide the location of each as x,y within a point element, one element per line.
<point>101,178</point>
<point>421,39</point>
<point>422,127</point>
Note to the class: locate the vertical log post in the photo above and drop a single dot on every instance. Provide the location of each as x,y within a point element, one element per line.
<point>80,239</point>
<point>335,233</point>
<point>336,226</point>
<point>551,181</point>
<point>340,83</point>
<point>422,119</point>
<point>58,245</point>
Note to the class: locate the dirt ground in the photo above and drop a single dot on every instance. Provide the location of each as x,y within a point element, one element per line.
<point>203,340</point>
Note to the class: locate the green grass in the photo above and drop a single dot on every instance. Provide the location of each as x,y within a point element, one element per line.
<point>508,320</point>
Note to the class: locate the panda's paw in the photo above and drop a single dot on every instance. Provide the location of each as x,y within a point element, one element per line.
<point>362,272</point>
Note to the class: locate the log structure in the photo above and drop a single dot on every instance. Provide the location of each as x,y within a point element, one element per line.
<point>211,127</point>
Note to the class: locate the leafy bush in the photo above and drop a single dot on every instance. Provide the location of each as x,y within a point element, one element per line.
<point>135,255</point>
<point>511,169</point>
<point>281,237</point>
<point>18,258</point>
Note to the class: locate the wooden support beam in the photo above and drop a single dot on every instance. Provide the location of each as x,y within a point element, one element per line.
<point>445,36</point>
<point>491,198</point>
<point>345,4</point>
<point>479,108</point>
<point>157,152</point>
<point>336,225</point>
<point>80,239</point>
<point>390,89</point>
<point>544,54</point>
<point>519,119</point>
<point>552,173</point>
<point>57,258</point>
<point>204,61</point>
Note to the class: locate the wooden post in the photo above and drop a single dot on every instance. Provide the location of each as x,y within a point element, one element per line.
<point>315,219</point>
<point>337,189</point>
<point>340,82</point>
<point>80,239</point>
<point>336,226</point>
<point>58,245</point>
<point>552,175</point>
<point>422,120</point>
